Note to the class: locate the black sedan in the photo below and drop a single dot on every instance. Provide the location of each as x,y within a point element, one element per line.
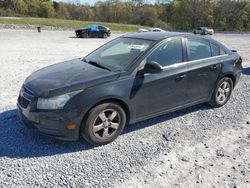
<point>130,79</point>
<point>93,31</point>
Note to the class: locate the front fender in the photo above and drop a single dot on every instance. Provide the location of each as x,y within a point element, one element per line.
<point>116,90</point>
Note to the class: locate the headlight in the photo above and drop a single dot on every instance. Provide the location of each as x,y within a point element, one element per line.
<point>56,102</point>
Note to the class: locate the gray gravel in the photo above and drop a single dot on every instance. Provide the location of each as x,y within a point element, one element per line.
<point>28,159</point>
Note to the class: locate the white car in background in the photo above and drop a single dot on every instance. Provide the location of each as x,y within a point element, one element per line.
<point>156,30</point>
<point>151,30</point>
<point>143,30</point>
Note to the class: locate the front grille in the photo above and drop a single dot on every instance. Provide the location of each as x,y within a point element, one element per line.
<point>23,102</point>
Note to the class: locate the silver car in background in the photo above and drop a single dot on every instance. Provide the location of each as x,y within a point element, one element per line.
<point>203,31</point>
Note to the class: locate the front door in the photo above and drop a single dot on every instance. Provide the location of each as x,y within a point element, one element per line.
<point>156,93</point>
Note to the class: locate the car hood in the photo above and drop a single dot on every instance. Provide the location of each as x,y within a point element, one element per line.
<point>67,77</point>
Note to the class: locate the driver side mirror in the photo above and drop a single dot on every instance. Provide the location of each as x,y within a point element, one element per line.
<point>152,67</point>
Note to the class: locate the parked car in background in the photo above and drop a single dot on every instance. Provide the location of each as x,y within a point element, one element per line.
<point>93,31</point>
<point>151,30</point>
<point>132,78</point>
<point>142,30</point>
<point>156,30</point>
<point>203,31</point>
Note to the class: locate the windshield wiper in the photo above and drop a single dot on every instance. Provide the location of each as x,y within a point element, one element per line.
<point>96,64</point>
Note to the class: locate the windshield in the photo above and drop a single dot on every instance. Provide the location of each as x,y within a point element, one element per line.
<point>118,54</point>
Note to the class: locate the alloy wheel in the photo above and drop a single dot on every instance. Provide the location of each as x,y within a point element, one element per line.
<point>223,92</point>
<point>106,124</point>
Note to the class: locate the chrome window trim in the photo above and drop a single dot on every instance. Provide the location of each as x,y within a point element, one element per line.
<point>180,64</point>
<point>189,62</point>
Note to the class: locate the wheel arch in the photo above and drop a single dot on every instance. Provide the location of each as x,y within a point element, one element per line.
<point>231,76</point>
<point>116,100</point>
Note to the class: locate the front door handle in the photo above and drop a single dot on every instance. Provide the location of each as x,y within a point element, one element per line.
<point>213,67</point>
<point>180,77</point>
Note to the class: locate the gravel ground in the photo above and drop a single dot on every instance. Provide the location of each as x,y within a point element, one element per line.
<point>196,147</point>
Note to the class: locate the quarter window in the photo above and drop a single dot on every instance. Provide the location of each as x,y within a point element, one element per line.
<point>168,53</point>
<point>215,50</point>
<point>198,49</point>
<point>222,52</point>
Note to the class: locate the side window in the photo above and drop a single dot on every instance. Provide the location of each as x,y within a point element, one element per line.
<point>168,53</point>
<point>101,28</point>
<point>198,49</point>
<point>215,50</point>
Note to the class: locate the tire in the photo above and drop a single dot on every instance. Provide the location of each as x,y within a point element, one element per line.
<point>104,123</point>
<point>105,36</point>
<point>222,92</point>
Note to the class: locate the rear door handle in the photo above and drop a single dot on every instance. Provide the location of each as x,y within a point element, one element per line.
<point>180,77</point>
<point>213,67</point>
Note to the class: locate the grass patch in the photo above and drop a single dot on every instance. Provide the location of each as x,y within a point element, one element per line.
<point>68,24</point>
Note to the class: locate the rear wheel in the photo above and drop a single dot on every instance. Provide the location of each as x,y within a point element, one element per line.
<point>222,92</point>
<point>104,124</point>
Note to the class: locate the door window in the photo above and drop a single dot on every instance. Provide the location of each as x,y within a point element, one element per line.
<point>168,53</point>
<point>198,49</point>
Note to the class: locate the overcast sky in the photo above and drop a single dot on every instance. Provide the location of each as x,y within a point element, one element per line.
<point>94,1</point>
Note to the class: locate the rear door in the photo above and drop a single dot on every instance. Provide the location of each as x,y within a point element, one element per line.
<point>204,65</point>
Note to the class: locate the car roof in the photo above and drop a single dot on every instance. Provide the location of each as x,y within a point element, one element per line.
<point>158,36</point>
<point>155,36</point>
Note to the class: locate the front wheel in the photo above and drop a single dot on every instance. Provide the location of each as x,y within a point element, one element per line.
<point>222,92</point>
<point>105,35</point>
<point>104,124</point>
